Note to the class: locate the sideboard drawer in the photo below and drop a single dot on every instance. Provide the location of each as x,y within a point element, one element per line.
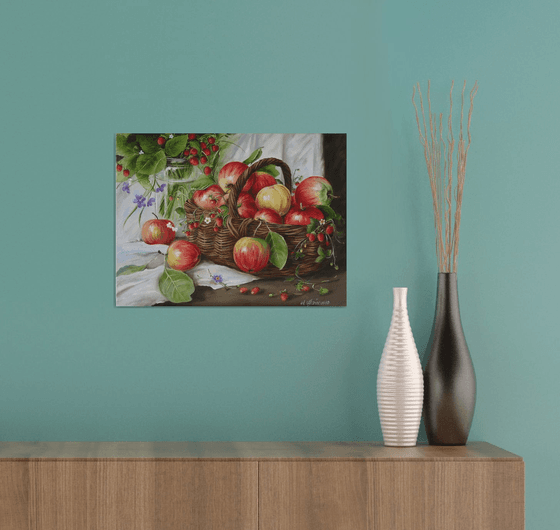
<point>128,495</point>
<point>391,495</point>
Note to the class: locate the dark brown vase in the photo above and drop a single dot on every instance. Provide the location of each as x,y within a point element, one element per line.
<point>449,378</point>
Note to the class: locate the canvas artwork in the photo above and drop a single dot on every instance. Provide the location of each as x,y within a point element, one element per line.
<point>226,219</point>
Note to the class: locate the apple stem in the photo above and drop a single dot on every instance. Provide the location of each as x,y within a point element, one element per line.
<point>154,214</point>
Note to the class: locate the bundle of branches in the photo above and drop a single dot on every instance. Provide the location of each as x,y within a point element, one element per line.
<point>447,193</point>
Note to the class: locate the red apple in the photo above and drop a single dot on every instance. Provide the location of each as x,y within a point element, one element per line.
<point>269,215</point>
<point>158,232</point>
<point>230,173</point>
<point>210,198</point>
<point>251,254</point>
<point>314,191</point>
<point>261,180</point>
<point>297,216</point>
<point>246,206</point>
<point>183,255</point>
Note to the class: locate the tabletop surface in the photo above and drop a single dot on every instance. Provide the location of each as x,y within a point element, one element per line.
<point>248,451</point>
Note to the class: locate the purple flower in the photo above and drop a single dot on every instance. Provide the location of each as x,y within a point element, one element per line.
<point>151,201</point>
<point>140,201</point>
<point>126,187</point>
<point>217,278</point>
<point>161,188</point>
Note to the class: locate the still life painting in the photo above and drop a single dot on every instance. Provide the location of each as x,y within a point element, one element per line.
<point>225,219</point>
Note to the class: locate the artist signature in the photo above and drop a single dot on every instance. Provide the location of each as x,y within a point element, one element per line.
<point>315,301</point>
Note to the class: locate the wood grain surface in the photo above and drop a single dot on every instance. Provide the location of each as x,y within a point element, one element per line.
<point>128,495</point>
<point>258,486</point>
<point>249,450</point>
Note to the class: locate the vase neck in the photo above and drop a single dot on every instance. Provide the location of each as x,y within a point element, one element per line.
<point>447,293</point>
<point>399,297</point>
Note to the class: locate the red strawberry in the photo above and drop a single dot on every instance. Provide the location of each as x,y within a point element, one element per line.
<point>311,237</point>
<point>243,290</point>
<point>306,288</point>
<point>194,151</point>
<point>219,221</point>
<point>284,296</point>
<point>186,152</point>
<point>161,140</point>
<point>206,151</point>
<point>187,233</point>
<point>194,161</point>
<point>216,229</point>
<point>192,136</point>
<point>203,160</point>
<point>211,140</point>
<point>119,167</point>
<point>126,172</point>
<point>254,290</point>
<point>202,145</point>
<point>215,148</point>
<point>329,230</point>
<point>321,237</point>
<point>207,170</point>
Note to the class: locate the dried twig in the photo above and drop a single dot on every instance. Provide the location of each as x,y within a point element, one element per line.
<point>447,196</point>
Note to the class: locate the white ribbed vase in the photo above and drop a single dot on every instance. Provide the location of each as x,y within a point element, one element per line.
<point>400,383</point>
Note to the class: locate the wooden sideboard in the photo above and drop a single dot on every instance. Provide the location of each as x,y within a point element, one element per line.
<point>258,486</point>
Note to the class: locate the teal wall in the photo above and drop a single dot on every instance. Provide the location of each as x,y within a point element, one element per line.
<point>75,367</point>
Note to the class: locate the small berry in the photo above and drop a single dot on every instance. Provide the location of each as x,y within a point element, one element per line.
<point>194,161</point>
<point>219,221</point>
<point>161,140</point>
<point>212,215</point>
<point>186,152</point>
<point>126,172</point>
<point>254,290</point>
<point>206,151</point>
<point>306,288</point>
<point>187,233</point>
<point>202,145</point>
<point>192,136</point>
<point>170,198</point>
<point>311,237</point>
<point>211,140</point>
<point>216,229</point>
<point>243,290</point>
<point>203,160</point>
<point>327,243</point>
<point>196,225</point>
<point>284,296</point>
<point>119,167</point>
<point>207,170</point>
<point>321,237</point>
<point>194,151</point>
<point>215,148</point>
<point>329,230</point>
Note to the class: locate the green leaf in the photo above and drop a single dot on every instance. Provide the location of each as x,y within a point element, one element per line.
<point>180,211</point>
<point>329,213</point>
<point>201,183</point>
<point>319,259</point>
<point>121,177</point>
<point>278,249</point>
<point>323,290</point>
<point>312,225</point>
<point>255,155</point>
<point>299,285</point>
<point>176,145</point>
<point>144,181</point>
<point>129,162</point>
<point>320,251</point>
<point>289,279</point>
<point>148,143</point>
<point>176,286</point>
<point>152,163</point>
<point>129,269</point>
<point>125,146</point>
<point>270,169</point>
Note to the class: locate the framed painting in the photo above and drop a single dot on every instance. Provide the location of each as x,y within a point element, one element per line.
<point>226,219</point>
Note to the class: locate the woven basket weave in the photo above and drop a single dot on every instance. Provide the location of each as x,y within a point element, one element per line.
<point>218,246</point>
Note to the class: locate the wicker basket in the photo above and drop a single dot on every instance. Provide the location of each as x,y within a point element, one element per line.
<point>218,246</point>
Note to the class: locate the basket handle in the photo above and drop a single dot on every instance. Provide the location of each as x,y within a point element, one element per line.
<point>235,190</point>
